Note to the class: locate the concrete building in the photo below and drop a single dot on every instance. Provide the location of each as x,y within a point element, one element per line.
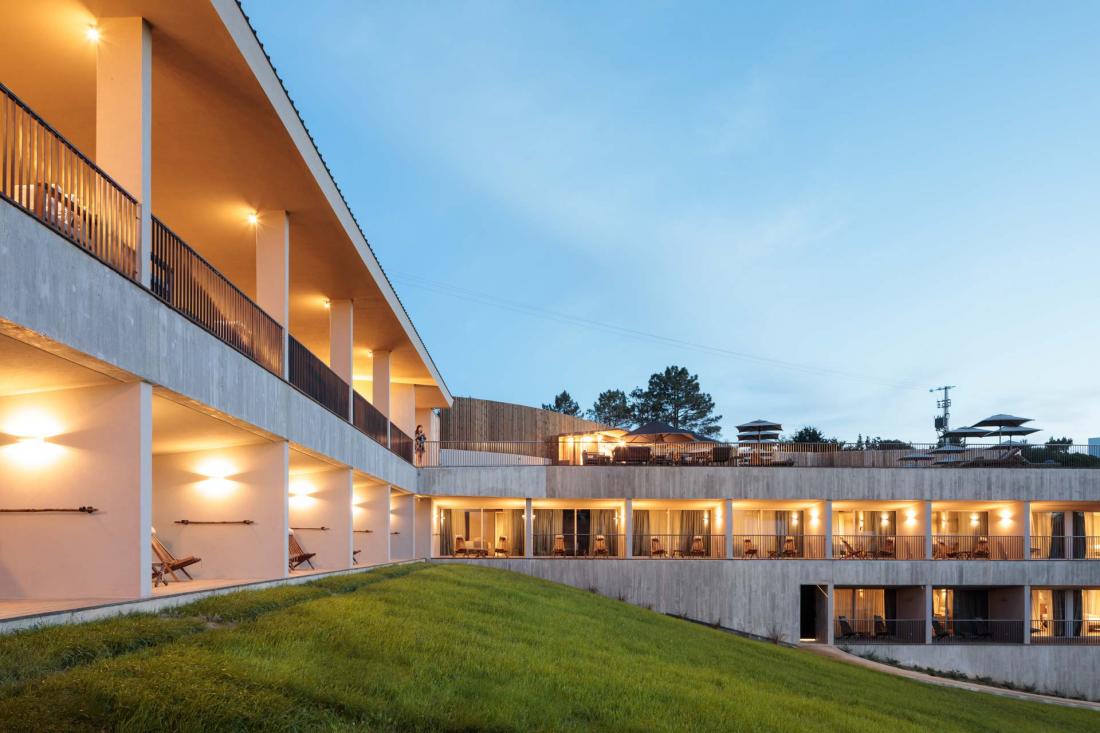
<point>205,376</point>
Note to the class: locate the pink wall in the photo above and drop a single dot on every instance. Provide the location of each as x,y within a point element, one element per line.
<point>371,511</point>
<point>95,452</point>
<point>244,482</point>
<point>323,499</point>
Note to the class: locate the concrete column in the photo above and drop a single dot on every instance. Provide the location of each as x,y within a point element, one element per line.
<point>727,509</point>
<point>323,499</point>
<point>831,636</point>
<point>341,342</point>
<point>124,117</point>
<point>628,527</point>
<point>828,531</point>
<point>273,269</point>
<point>928,531</point>
<point>1025,529</point>
<point>403,407</point>
<point>528,529</point>
<point>1027,613</point>
<point>380,386</point>
<point>927,614</point>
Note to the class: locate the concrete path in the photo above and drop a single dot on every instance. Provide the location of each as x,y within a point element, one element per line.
<point>841,655</point>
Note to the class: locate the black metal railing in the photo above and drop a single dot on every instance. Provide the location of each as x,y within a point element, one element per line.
<point>977,631</point>
<point>570,451</point>
<point>878,547</point>
<point>878,630</point>
<point>400,443</point>
<point>313,377</point>
<point>977,547</point>
<point>45,175</point>
<point>1060,547</point>
<point>778,547</point>
<point>677,546</point>
<point>1084,632</point>
<point>369,419</point>
<point>588,545</point>
<point>194,288</point>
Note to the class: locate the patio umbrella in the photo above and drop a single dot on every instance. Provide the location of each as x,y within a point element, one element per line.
<point>661,432</point>
<point>949,460</point>
<point>1013,431</point>
<point>949,448</point>
<point>760,426</point>
<point>743,437</point>
<point>914,457</point>
<point>1000,420</point>
<point>971,432</point>
<point>1009,444</point>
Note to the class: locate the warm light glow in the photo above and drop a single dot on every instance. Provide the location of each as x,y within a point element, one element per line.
<point>31,428</point>
<point>301,488</point>
<point>32,424</point>
<point>92,34</point>
<point>974,520</point>
<point>301,501</point>
<point>32,453</point>
<point>1006,516</point>
<point>217,484</point>
<point>216,468</point>
<point>253,218</point>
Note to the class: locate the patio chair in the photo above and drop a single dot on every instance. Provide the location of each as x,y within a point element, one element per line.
<point>981,552</point>
<point>697,549</point>
<point>166,563</point>
<point>851,552</point>
<point>846,630</point>
<point>656,549</point>
<point>982,629</point>
<point>502,548</point>
<point>939,631</point>
<point>881,629</point>
<point>297,555</point>
<point>559,546</point>
<point>789,549</point>
<point>888,549</point>
<point>460,547</point>
<point>601,546</point>
<point>749,548</point>
<point>355,557</point>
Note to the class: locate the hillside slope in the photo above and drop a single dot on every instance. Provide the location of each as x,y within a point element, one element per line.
<point>428,647</point>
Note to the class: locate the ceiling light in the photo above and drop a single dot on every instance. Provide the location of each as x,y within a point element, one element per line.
<point>253,218</point>
<point>92,34</point>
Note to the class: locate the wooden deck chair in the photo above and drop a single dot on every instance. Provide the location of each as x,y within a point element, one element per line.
<point>697,549</point>
<point>601,546</point>
<point>789,549</point>
<point>165,563</point>
<point>656,549</point>
<point>849,551</point>
<point>881,629</point>
<point>888,549</point>
<point>355,557</point>
<point>559,546</point>
<point>502,548</point>
<point>297,555</point>
<point>982,550</point>
<point>846,630</point>
<point>750,548</point>
<point>460,547</point>
<point>939,631</point>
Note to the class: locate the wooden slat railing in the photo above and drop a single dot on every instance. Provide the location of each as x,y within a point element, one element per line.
<point>400,443</point>
<point>194,288</point>
<point>369,419</point>
<point>313,377</point>
<point>46,176</point>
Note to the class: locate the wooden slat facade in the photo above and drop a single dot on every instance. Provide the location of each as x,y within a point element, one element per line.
<point>485,420</point>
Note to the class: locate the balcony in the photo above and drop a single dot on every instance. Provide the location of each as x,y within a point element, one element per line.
<point>977,547</point>
<point>977,631</point>
<point>778,547</point>
<point>878,630</point>
<point>878,547</point>
<point>679,546</point>
<point>579,452</point>
<point>1080,632</point>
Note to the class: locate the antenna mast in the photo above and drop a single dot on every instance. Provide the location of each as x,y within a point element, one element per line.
<point>943,422</point>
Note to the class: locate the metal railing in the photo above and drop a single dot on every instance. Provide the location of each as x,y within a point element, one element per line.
<point>590,545</point>
<point>977,547</point>
<point>1085,632</point>
<point>45,175</point>
<point>977,630</point>
<point>878,547</point>
<point>878,630</point>
<point>778,547</point>
<point>564,451</point>
<point>191,286</point>
<point>313,377</point>
<point>400,443</point>
<point>478,549</point>
<point>1060,547</point>
<point>369,419</point>
<point>677,546</point>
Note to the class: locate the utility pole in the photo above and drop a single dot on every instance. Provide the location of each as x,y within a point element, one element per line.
<point>943,422</point>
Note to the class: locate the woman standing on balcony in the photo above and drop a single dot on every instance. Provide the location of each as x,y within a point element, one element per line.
<point>420,440</point>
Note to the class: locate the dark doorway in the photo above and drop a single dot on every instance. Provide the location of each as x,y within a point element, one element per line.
<point>807,628</point>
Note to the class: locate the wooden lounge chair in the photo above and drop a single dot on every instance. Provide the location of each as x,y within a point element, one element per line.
<point>355,557</point>
<point>655,548</point>
<point>297,555</point>
<point>697,549</point>
<point>888,551</point>
<point>460,547</point>
<point>881,629</point>
<point>601,546</point>
<point>846,630</point>
<point>939,631</point>
<point>850,552</point>
<point>789,549</point>
<point>981,552</point>
<point>502,548</point>
<point>749,548</point>
<point>559,546</point>
<point>165,563</point>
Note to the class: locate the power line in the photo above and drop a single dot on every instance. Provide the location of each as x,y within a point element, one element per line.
<point>481,298</point>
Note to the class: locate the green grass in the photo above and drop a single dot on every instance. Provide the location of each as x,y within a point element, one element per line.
<point>423,647</point>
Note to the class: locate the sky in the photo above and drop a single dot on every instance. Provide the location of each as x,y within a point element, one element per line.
<point>822,209</point>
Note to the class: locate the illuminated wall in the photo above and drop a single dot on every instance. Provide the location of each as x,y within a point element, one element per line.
<point>66,449</point>
<point>323,499</point>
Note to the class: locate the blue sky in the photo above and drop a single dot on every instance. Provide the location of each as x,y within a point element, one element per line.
<point>821,209</point>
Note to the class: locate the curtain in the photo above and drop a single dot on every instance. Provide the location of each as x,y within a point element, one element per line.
<point>1057,535</point>
<point>692,524</point>
<point>446,532</point>
<point>519,532</point>
<point>603,522</point>
<point>884,527</point>
<point>548,522</point>
<point>1078,610</point>
<point>640,543</point>
<point>1058,611</point>
<point>860,606</point>
<point>969,605</point>
<point>1078,535</point>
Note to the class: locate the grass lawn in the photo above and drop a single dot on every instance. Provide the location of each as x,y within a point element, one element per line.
<point>431,647</point>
